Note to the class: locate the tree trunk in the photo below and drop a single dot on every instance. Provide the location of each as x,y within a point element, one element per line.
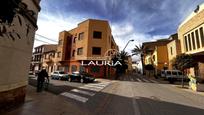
<point>182,80</point>
<point>143,70</point>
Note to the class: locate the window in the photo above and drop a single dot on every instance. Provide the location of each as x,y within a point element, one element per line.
<point>193,40</point>
<point>174,73</point>
<point>74,40</point>
<point>189,42</point>
<point>61,72</point>
<point>73,53</point>
<point>73,68</point>
<point>186,44</point>
<point>53,54</point>
<point>153,57</point>
<point>171,51</point>
<point>168,72</point>
<point>180,73</point>
<point>97,34</point>
<point>58,54</point>
<point>60,42</point>
<point>81,36</point>
<point>202,36</point>
<point>96,50</point>
<point>79,51</point>
<point>197,39</point>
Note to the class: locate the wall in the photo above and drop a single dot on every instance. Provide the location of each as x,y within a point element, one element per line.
<point>176,50</point>
<point>194,21</point>
<point>162,57</point>
<point>15,55</point>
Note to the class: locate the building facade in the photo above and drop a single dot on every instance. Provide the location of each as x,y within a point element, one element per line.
<point>174,49</point>
<point>16,43</point>
<point>39,54</point>
<point>49,61</point>
<point>156,55</point>
<point>91,41</point>
<point>191,36</point>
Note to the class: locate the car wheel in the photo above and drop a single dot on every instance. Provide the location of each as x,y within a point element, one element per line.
<point>82,80</point>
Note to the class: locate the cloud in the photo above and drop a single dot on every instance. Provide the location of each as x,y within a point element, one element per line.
<point>141,20</point>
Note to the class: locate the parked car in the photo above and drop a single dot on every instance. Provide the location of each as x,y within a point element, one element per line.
<point>59,75</point>
<point>82,77</point>
<point>172,75</point>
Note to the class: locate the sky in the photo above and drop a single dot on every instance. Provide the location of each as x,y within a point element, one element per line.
<point>141,20</point>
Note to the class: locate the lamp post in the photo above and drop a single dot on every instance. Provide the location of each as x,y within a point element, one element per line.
<point>127,44</point>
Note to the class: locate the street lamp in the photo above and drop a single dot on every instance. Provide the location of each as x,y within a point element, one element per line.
<point>127,44</point>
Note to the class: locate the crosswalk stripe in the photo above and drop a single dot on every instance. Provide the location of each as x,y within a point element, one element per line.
<point>153,81</point>
<point>94,85</point>
<point>139,80</point>
<point>83,92</point>
<point>145,80</point>
<point>89,88</point>
<point>75,97</point>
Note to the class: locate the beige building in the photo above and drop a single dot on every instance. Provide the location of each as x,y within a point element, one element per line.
<point>156,54</point>
<point>92,40</point>
<point>49,60</point>
<point>40,55</point>
<point>191,36</point>
<point>16,44</point>
<point>174,49</point>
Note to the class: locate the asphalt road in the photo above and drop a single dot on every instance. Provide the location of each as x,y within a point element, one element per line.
<point>131,95</point>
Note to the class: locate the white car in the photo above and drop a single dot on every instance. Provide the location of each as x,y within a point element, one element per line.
<point>172,75</point>
<point>59,75</point>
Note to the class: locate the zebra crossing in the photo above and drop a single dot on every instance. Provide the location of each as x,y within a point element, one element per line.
<point>83,93</point>
<point>145,80</point>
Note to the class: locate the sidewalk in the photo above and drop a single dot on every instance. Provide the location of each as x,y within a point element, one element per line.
<point>45,103</point>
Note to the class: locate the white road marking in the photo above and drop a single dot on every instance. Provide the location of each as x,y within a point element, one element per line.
<point>145,80</point>
<point>153,81</point>
<point>139,80</point>
<point>95,86</point>
<point>83,92</point>
<point>75,97</point>
<point>89,88</point>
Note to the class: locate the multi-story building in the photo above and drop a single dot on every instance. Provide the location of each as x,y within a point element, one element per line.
<point>156,55</point>
<point>174,49</point>
<point>16,43</point>
<point>37,61</point>
<point>91,42</point>
<point>191,36</point>
<point>49,61</point>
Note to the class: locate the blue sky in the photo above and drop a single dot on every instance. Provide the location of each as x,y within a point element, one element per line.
<point>141,20</point>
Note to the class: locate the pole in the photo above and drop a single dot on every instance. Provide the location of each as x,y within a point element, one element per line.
<point>127,44</point>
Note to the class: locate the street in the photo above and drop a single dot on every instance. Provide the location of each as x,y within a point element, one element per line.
<point>131,95</point>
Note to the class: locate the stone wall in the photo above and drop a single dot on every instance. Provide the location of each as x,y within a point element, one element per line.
<point>12,98</point>
<point>16,43</point>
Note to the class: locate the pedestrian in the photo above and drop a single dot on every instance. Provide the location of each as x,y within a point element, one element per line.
<point>41,79</point>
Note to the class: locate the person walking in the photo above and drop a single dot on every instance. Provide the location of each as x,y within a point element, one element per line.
<point>41,79</point>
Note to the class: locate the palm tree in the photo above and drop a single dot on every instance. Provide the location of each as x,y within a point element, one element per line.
<point>139,51</point>
<point>122,57</point>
